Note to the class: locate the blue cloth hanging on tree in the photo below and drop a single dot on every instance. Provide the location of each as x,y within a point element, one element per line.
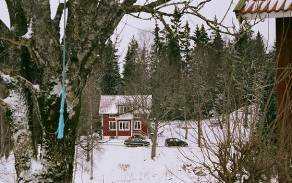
<point>61,118</point>
<point>61,126</point>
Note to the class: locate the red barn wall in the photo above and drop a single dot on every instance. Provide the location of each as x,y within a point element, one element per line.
<point>106,131</point>
<point>144,127</point>
<point>284,83</point>
<point>284,64</point>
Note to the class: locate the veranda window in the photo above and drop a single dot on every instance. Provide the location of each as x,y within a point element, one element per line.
<point>124,125</point>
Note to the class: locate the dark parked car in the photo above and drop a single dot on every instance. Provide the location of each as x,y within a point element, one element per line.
<point>134,141</point>
<point>175,142</point>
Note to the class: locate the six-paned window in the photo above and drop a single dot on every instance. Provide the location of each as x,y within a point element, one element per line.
<point>124,109</point>
<point>124,125</point>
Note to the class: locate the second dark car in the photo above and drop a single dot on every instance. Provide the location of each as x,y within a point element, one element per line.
<point>175,142</point>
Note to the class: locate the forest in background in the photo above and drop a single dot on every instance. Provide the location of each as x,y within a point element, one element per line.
<point>183,69</point>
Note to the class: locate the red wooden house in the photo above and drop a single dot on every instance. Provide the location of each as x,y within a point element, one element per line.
<point>124,116</point>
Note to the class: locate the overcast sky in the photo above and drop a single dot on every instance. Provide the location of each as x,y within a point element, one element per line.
<point>130,26</point>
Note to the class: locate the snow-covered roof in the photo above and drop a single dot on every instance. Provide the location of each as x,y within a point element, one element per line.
<point>140,103</point>
<point>258,9</point>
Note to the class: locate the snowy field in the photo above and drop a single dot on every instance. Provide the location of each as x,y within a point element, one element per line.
<point>116,163</point>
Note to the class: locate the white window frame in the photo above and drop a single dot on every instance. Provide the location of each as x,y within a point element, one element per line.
<point>140,125</point>
<point>124,109</point>
<point>123,123</point>
<point>109,125</point>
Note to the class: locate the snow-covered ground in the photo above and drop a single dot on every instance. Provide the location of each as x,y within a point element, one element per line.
<point>7,170</point>
<point>116,163</point>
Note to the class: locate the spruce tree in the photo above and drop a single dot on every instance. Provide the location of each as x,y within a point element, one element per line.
<point>201,37</point>
<point>215,70</point>
<point>185,90</point>
<point>200,71</point>
<point>268,105</point>
<point>160,84</point>
<point>142,71</point>
<point>242,64</point>
<point>110,81</point>
<point>186,48</point>
<point>130,67</point>
<point>174,63</point>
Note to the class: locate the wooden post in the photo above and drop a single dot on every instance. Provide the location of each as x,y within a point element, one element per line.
<point>284,95</point>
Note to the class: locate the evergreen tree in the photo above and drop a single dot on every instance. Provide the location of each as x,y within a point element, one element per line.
<point>185,90</point>
<point>110,81</point>
<point>215,70</point>
<point>201,37</point>
<point>268,106</point>
<point>186,48</point>
<point>200,70</point>
<point>242,64</point>
<point>176,22</point>
<point>142,72</point>
<point>173,59</point>
<point>129,67</point>
<point>160,83</point>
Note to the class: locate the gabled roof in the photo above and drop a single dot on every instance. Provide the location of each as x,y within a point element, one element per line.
<point>140,103</point>
<point>252,9</point>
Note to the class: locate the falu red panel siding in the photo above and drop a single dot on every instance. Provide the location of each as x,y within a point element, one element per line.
<point>284,91</point>
<point>284,73</point>
<point>106,131</point>
<point>118,132</point>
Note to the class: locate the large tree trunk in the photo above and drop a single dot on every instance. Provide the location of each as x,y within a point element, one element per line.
<point>58,158</point>
<point>56,163</point>
<point>42,67</point>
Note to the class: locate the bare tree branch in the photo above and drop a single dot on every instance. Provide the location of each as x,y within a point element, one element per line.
<point>59,13</point>
<point>10,37</point>
<point>160,17</point>
<point>17,16</point>
<point>148,8</point>
<point>128,3</point>
<point>213,24</point>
